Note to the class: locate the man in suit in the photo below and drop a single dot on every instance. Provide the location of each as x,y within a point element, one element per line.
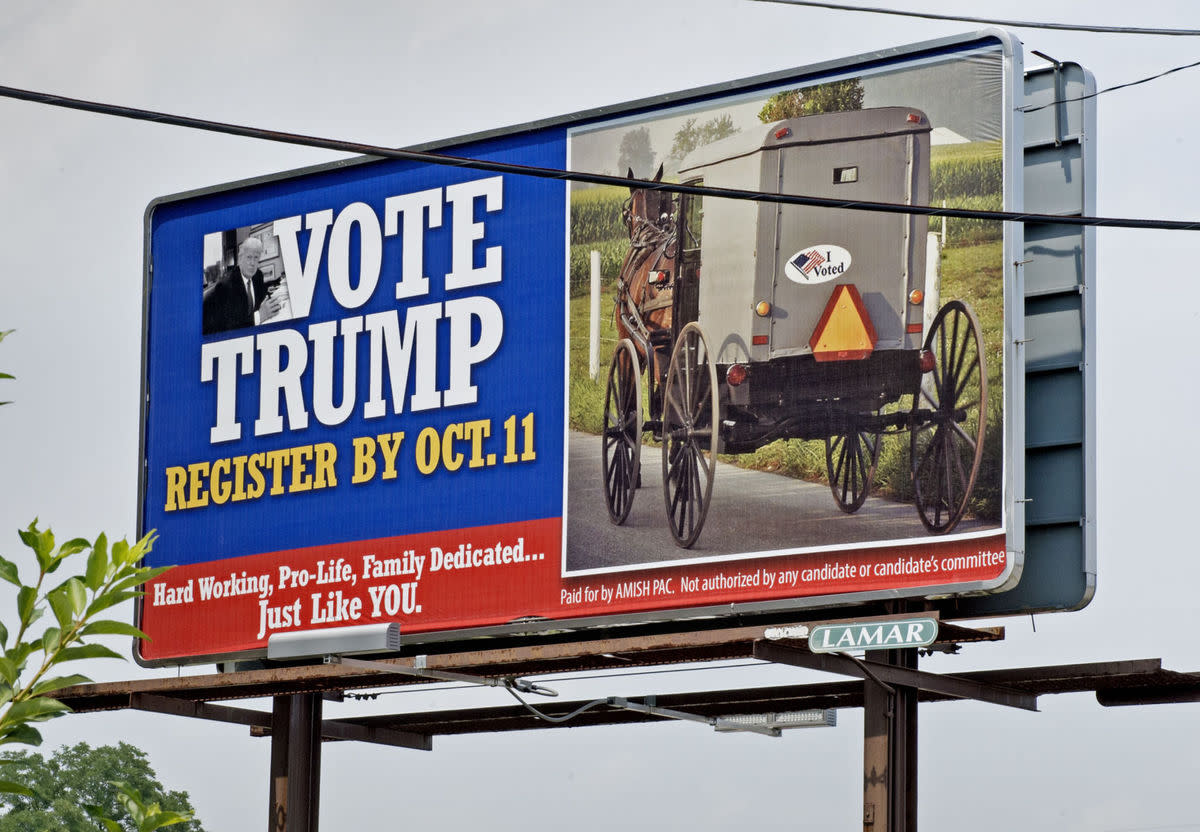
<point>231,302</point>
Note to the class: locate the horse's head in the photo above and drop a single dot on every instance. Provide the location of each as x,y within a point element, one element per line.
<point>650,205</point>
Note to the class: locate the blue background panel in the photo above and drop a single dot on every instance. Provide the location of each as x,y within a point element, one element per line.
<point>524,375</point>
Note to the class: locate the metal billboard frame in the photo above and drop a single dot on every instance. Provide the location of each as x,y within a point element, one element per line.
<point>1025,598</point>
<point>1059,271</point>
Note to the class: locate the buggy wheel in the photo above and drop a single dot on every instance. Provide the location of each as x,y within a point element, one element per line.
<point>622,435</point>
<point>850,460</point>
<point>949,418</point>
<point>690,421</point>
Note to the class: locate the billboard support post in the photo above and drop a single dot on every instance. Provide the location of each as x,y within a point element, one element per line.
<point>277,799</point>
<point>890,750</point>
<point>295,763</point>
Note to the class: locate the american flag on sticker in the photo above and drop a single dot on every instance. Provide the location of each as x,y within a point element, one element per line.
<point>806,261</point>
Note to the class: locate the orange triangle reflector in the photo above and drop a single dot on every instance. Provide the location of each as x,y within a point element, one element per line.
<point>845,331</point>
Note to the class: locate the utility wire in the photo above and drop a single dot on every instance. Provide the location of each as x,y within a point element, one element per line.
<point>1034,109</point>
<point>427,157</point>
<point>587,706</point>
<point>1017,24</point>
<point>557,679</point>
<point>1023,24</point>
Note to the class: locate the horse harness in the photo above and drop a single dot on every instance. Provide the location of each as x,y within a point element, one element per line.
<point>647,239</point>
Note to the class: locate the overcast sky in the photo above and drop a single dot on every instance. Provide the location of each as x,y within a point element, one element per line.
<point>75,188</point>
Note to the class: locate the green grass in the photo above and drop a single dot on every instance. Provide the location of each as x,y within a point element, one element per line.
<point>586,402</point>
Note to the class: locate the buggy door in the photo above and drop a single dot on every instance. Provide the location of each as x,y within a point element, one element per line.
<point>879,246</point>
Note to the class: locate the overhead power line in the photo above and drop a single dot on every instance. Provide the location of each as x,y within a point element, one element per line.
<point>658,671</point>
<point>1162,74</point>
<point>426,157</point>
<point>1016,24</point>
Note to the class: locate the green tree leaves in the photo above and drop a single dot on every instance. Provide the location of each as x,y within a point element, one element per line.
<point>35,801</point>
<point>830,97</point>
<point>111,575</point>
<point>81,788</point>
<point>636,154</point>
<point>692,135</point>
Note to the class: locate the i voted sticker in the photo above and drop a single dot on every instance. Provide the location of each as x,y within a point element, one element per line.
<point>817,264</point>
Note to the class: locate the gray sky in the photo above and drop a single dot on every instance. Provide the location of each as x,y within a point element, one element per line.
<point>75,188</point>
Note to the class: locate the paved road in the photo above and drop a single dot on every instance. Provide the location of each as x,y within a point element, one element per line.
<point>751,511</point>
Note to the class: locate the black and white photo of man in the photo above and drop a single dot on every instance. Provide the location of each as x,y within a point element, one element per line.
<point>240,297</point>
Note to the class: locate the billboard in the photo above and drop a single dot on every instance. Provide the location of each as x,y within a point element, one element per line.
<point>368,395</point>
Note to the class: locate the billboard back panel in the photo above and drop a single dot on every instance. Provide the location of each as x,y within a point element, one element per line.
<point>368,396</point>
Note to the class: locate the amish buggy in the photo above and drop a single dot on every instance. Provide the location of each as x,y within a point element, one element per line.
<point>754,321</point>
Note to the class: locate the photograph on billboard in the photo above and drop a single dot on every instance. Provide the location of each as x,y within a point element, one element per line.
<point>817,322</point>
<point>373,394</point>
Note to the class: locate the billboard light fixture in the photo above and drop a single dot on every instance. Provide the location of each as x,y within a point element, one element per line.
<point>341,641</point>
<point>768,724</point>
<point>810,718</point>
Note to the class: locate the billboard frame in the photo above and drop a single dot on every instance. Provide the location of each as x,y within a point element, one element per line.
<point>596,626</point>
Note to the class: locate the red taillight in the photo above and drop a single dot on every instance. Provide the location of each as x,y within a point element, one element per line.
<point>658,278</point>
<point>928,361</point>
<point>759,340</point>
<point>914,118</point>
<point>913,329</point>
<point>736,374</point>
<point>782,132</point>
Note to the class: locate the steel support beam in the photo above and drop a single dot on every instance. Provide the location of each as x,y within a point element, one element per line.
<point>890,751</point>
<point>1115,697</point>
<point>334,729</point>
<point>199,710</point>
<point>281,716</point>
<point>954,686</point>
<point>264,724</point>
<point>303,807</point>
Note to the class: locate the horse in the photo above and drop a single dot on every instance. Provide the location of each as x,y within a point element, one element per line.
<point>645,285</point>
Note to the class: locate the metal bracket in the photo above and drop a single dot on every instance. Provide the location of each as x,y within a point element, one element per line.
<point>648,707</point>
<point>523,685</point>
<point>1058,95</point>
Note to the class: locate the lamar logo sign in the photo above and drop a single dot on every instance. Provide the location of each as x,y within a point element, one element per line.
<point>877,635</point>
<point>817,264</point>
